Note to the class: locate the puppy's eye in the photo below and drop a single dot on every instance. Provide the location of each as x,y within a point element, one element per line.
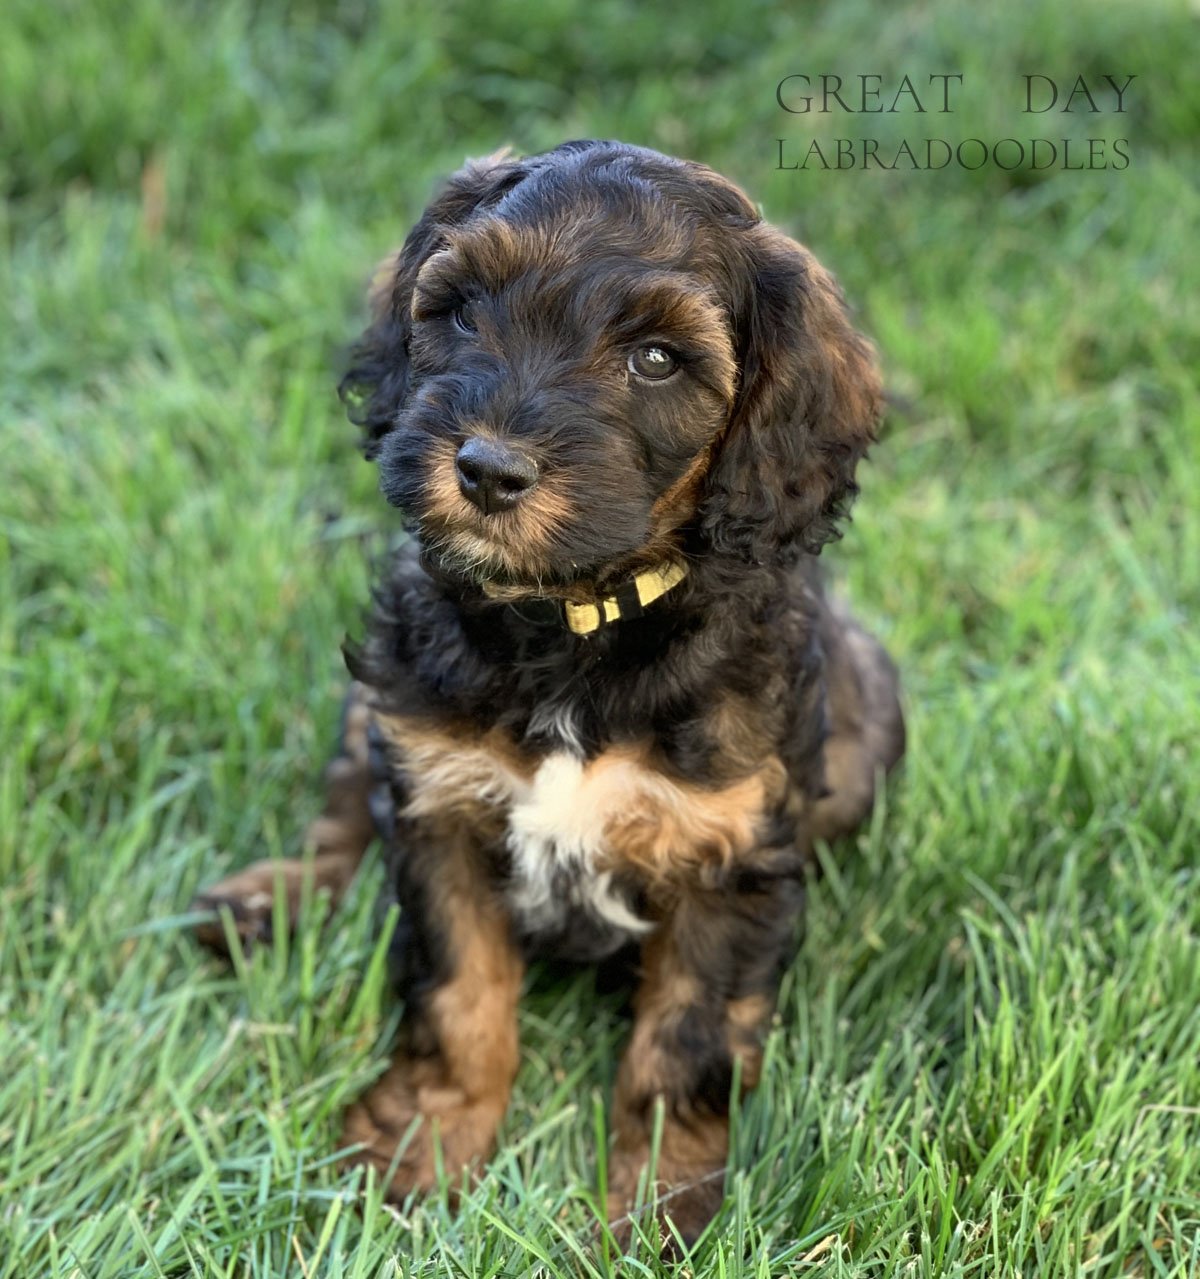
<point>464,318</point>
<point>653,363</point>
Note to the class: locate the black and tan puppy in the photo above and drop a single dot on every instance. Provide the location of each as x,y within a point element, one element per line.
<point>602,701</point>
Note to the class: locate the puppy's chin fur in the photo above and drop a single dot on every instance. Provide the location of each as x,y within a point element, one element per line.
<point>472,558</point>
<point>466,560</point>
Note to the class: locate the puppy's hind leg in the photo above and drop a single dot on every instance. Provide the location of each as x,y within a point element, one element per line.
<point>866,725</point>
<point>338,837</point>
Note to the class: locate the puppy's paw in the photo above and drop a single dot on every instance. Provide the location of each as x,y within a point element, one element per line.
<point>682,1200</point>
<point>415,1111</point>
<point>249,897</point>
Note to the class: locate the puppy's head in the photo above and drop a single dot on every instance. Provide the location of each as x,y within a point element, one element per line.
<point>577,356</point>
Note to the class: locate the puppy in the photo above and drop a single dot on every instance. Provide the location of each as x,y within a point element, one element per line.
<point>602,704</point>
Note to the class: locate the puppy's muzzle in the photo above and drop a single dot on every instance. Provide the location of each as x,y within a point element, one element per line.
<point>492,475</point>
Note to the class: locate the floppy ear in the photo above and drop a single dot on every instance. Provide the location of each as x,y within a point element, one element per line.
<point>808,406</point>
<point>375,386</point>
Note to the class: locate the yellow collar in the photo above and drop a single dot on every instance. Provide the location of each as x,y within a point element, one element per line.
<point>629,600</point>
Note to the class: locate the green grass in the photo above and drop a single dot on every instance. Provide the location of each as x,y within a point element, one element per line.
<point>987,1055</point>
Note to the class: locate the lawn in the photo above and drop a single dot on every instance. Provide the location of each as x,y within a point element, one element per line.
<point>986,1059</point>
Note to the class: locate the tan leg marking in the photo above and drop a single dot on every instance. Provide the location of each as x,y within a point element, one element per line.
<point>690,1175</point>
<point>466,1032</point>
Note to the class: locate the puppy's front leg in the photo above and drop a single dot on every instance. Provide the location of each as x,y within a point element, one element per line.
<point>708,990</point>
<point>455,1070</point>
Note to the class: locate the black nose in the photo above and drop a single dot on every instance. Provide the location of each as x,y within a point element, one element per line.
<point>492,475</point>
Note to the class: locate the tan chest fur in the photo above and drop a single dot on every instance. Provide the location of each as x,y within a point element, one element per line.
<point>574,822</point>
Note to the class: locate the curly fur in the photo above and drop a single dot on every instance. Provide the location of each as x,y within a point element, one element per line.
<point>654,788</point>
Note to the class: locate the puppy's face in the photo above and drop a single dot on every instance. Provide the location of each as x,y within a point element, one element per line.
<point>567,370</point>
<point>563,347</point>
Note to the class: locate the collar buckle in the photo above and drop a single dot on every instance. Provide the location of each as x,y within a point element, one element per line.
<point>630,599</point>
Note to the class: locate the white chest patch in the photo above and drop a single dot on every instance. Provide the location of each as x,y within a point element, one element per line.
<point>556,838</point>
<point>565,821</point>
